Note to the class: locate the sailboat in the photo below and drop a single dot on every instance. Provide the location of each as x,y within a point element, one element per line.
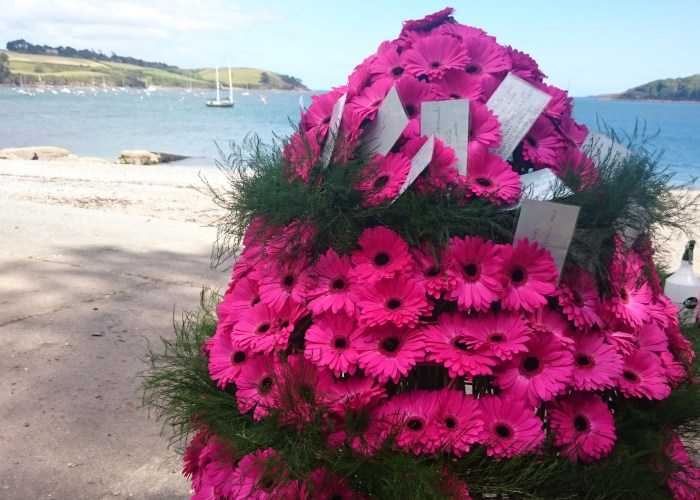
<point>218,102</point>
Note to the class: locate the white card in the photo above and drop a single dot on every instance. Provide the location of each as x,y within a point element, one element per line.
<point>419,162</point>
<point>541,185</point>
<point>449,121</point>
<point>602,148</point>
<point>549,224</point>
<point>516,104</point>
<point>333,127</point>
<point>382,132</point>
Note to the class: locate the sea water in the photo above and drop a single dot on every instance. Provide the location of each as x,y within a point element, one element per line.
<point>102,122</point>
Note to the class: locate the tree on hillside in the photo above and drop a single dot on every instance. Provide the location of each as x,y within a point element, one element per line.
<point>4,70</point>
<point>264,78</point>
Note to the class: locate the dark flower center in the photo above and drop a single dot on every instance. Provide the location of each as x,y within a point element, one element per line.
<point>393,304</point>
<point>340,343</point>
<point>578,300</point>
<point>472,69</point>
<point>306,393</point>
<point>483,181</point>
<point>455,96</point>
<point>414,424</point>
<point>381,259</point>
<point>531,141</point>
<point>435,64</point>
<point>338,284</point>
<point>624,295</point>
<point>288,281</point>
<point>238,357</point>
<point>381,182</point>
<point>503,431</point>
<point>266,385</point>
<point>497,337</point>
<point>254,300</point>
<point>263,328</point>
<point>460,344</point>
<point>517,275</point>
<point>471,270</point>
<point>632,377</point>
<point>583,360</point>
<point>397,71</point>
<point>580,423</point>
<point>450,422</point>
<point>391,344</point>
<point>410,110</point>
<point>433,272</point>
<point>531,364</point>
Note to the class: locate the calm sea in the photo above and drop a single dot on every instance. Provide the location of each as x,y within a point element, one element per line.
<point>104,122</point>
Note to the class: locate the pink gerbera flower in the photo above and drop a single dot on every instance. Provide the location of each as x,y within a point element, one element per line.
<point>559,105</point>
<point>430,272</point>
<point>539,374</point>
<point>484,129</point>
<point>530,273</point>
<point>389,63</point>
<point>399,301</point>
<point>458,421</point>
<point>492,178</point>
<point>577,169</point>
<point>410,416</point>
<point>448,342</point>
<point>382,254</point>
<point>548,321</point>
<point>457,84</point>
<point>541,142</point>
<point>477,266</point>
<point>286,281</point>
<point>226,360</point>
<point>578,298</point>
<point>318,116</point>
<point>510,428</point>
<point>260,475</point>
<point>413,92</point>
<point>331,342</point>
<point>258,330</point>
<point>487,56</point>
<point>684,480</point>
<point>597,364</point>
<point>583,425</point>
<point>643,376</point>
<point>367,102</point>
<point>524,66</point>
<point>301,153</point>
<point>257,387</point>
<point>355,394</point>
<point>389,352</point>
<point>383,178</point>
<point>432,56</point>
<point>441,170</point>
<point>501,334</point>
<point>326,485</point>
<point>650,337</point>
<point>336,285</point>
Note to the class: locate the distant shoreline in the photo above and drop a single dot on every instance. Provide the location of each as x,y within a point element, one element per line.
<point>615,97</point>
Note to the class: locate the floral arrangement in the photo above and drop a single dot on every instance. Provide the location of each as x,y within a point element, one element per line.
<point>384,336</point>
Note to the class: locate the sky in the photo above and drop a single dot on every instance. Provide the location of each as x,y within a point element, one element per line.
<point>585,47</point>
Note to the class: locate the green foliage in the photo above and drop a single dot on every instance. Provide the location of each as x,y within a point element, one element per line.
<point>670,89</point>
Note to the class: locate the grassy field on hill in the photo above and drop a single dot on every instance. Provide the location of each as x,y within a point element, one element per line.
<point>56,70</point>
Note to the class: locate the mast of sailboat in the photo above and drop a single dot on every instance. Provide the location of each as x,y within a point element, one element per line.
<point>230,84</point>
<point>217,84</point>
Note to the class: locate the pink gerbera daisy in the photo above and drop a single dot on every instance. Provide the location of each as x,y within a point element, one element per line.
<point>449,343</point>
<point>432,56</point>
<point>548,321</point>
<point>577,169</point>
<point>477,266</point>
<point>456,84</point>
<point>441,170</point>
<point>583,425</point>
<point>317,118</point>
<point>399,301</point>
<point>261,475</point>
<point>643,376</point>
<point>578,298</point>
<point>484,129</point>
<point>597,364</point>
<point>524,66</point>
<point>282,282</point>
<point>257,387</point>
<point>501,334</point>
<point>684,480</point>
<point>559,105</point>
<point>389,352</point>
<point>301,153</point>
<point>492,178</point>
<point>326,485</point>
<point>258,330</point>
<point>226,360</point>
<point>539,374</point>
<point>458,421</point>
<point>430,272</point>
<point>510,428</point>
<point>629,300</point>
<point>355,394</point>
<point>382,254</point>
<point>383,178</point>
<point>336,285</point>
<point>367,102</point>
<point>244,295</point>
<point>650,337</point>
<point>530,273</point>
<point>541,142</point>
<point>331,342</point>
<point>413,92</point>
<point>389,63</point>
<point>486,56</point>
<point>410,416</point>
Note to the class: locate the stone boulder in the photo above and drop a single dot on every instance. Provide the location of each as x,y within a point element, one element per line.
<point>142,157</point>
<point>36,153</point>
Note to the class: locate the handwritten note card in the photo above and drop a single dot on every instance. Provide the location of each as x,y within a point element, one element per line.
<point>602,148</point>
<point>542,184</point>
<point>449,122</point>
<point>516,104</point>
<point>549,224</point>
<point>333,127</point>
<point>419,162</point>
<point>388,123</point>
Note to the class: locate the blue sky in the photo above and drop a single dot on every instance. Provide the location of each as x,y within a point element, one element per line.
<point>585,47</point>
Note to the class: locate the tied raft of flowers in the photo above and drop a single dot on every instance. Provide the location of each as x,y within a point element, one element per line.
<point>384,336</point>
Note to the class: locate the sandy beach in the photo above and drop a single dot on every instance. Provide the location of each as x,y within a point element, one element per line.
<point>96,260</point>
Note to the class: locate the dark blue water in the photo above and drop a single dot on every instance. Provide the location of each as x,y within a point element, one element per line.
<point>105,122</point>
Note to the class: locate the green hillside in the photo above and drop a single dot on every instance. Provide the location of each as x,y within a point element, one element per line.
<point>56,70</point>
<point>669,89</point>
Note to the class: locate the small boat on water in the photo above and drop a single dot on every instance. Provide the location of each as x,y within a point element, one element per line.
<point>218,102</point>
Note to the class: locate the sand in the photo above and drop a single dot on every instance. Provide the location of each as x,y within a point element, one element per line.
<point>96,260</point>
